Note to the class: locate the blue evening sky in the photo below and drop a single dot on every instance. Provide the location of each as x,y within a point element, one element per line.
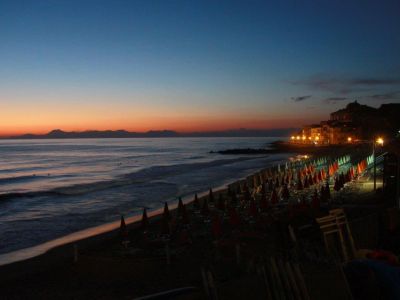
<point>234,61</point>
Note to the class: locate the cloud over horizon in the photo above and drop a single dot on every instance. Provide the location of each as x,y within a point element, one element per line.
<point>343,85</point>
<point>301,98</point>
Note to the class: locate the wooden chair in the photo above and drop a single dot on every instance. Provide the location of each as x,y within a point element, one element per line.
<point>336,225</point>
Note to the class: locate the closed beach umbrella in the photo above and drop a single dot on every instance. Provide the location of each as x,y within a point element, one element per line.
<point>123,229</point>
<point>285,192</point>
<point>196,203</point>
<point>205,210</point>
<point>253,208</point>
<point>263,203</point>
<point>316,201</point>
<point>216,226</point>
<point>221,202</point>
<point>180,207</point>
<point>274,197</point>
<point>234,219</point>
<point>166,214</point>
<point>211,196</point>
<point>145,220</point>
<point>299,184</point>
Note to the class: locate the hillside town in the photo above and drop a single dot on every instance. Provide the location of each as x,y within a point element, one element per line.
<point>353,124</point>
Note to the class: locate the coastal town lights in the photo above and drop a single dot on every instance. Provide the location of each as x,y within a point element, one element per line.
<point>349,139</point>
<point>379,141</point>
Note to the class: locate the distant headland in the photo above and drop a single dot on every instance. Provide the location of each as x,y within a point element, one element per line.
<point>60,134</point>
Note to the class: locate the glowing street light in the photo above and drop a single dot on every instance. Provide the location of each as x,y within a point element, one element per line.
<point>349,139</point>
<point>378,141</point>
<point>297,137</point>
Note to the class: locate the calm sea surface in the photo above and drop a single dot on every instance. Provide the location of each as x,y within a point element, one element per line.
<point>50,188</point>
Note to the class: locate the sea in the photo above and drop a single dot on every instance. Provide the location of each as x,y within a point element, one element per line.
<point>52,188</point>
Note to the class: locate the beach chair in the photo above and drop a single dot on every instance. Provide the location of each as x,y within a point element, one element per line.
<point>337,234</point>
<point>284,280</point>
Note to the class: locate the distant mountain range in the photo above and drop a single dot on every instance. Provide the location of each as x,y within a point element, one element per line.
<point>60,134</point>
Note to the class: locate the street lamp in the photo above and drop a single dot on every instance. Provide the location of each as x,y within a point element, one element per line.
<point>378,141</point>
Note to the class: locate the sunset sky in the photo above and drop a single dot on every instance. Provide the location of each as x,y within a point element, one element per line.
<point>192,65</point>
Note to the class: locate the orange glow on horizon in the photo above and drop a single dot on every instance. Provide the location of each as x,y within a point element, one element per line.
<point>40,118</point>
<point>183,125</point>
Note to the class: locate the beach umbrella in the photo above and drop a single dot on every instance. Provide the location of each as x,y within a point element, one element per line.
<point>277,182</point>
<point>270,185</point>
<point>315,178</point>
<point>253,208</point>
<point>274,197</point>
<point>263,188</point>
<point>323,194</point>
<point>285,192</point>
<point>211,196</point>
<point>234,218</point>
<point>234,199</point>
<point>303,202</point>
<point>306,183</point>
<point>263,203</point>
<point>247,195</point>
<point>145,220</point>
<point>165,228</point>
<point>123,229</point>
<point>283,180</point>
<point>238,189</point>
<point>336,186</point>
<point>205,210</point>
<point>316,201</point>
<point>166,214</point>
<point>185,216</point>
<point>180,207</point>
<point>216,226</point>
<point>299,184</point>
<point>327,191</point>
<point>196,203</point>
<point>255,181</point>
<point>221,202</point>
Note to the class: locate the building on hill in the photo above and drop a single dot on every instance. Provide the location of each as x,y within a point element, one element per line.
<point>354,123</point>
